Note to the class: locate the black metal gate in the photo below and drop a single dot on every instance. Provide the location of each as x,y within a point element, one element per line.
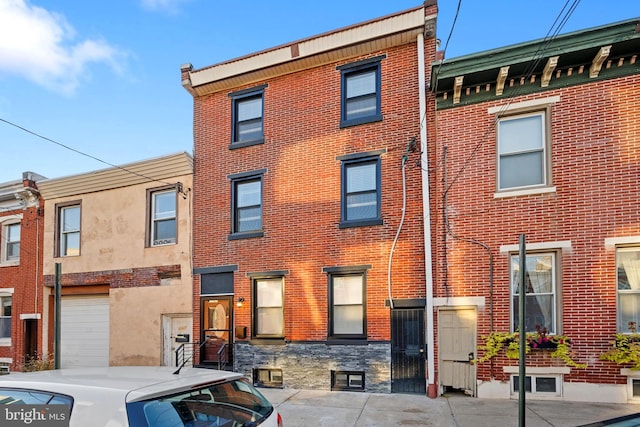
<point>408,351</point>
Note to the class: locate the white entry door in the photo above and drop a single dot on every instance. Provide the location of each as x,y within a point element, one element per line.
<point>84,331</point>
<point>176,328</point>
<point>457,346</point>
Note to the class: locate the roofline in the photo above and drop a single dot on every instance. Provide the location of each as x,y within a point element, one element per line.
<point>526,51</point>
<point>305,53</point>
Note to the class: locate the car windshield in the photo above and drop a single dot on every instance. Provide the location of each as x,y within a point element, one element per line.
<point>230,404</point>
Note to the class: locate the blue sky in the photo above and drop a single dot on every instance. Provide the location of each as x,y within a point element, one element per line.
<point>103,77</point>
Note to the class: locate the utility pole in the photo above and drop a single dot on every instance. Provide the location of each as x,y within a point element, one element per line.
<point>523,333</point>
<point>56,318</point>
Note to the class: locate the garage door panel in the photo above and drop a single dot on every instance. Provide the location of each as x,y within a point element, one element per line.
<point>84,331</point>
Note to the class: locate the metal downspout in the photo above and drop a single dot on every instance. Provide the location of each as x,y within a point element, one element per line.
<point>424,166</point>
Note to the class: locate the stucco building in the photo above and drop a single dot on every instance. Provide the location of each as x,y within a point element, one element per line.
<point>309,238</point>
<point>541,139</point>
<point>119,240</point>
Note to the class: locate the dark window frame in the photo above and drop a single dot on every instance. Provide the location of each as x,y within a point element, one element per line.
<point>237,98</point>
<point>354,69</point>
<point>58,230</point>
<point>244,178</point>
<point>332,273</point>
<point>351,161</point>
<point>271,383</point>
<point>255,277</point>
<point>149,234</point>
<point>336,387</point>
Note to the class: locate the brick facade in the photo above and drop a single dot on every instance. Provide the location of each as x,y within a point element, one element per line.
<point>301,196</point>
<point>591,196</point>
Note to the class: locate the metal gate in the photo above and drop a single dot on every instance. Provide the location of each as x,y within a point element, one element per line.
<point>407,351</point>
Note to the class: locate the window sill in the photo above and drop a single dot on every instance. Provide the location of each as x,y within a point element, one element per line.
<point>246,235</point>
<point>347,341</point>
<point>235,145</point>
<point>524,192</point>
<point>5,342</point>
<point>11,263</point>
<point>360,223</point>
<point>267,341</point>
<point>360,121</point>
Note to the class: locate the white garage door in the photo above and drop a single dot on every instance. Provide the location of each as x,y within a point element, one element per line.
<point>84,331</point>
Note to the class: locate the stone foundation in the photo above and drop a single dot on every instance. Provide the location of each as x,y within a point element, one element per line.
<point>309,365</point>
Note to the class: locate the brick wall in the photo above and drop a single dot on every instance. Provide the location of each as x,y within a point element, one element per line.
<point>596,172</point>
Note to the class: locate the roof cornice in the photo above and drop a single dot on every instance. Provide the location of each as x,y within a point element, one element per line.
<point>355,40</point>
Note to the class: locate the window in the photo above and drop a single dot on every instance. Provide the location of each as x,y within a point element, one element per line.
<point>522,151</point>
<point>535,384</point>
<point>347,380</point>
<point>360,92</point>
<point>540,285</point>
<point>634,388</point>
<point>163,217</point>
<point>361,197</point>
<point>5,317</point>
<point>347,306</point>
<point>11,242</point>
<point>247,116</point>
<point>269,307</point>
<point>267,377</point>
<point>628,267</point>
<point>246,199</point>
<point>69,230</point>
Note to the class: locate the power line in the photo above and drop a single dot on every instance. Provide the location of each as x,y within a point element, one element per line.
<point>80,152</point>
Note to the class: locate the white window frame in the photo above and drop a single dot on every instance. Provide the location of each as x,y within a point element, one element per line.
<point>619,325</point>
<point>543,149</point>
<point>157,217</point>
<point>6,293</point>
<point>5,223</point>
<point>64,232</point>
<point>554,288</point>
<point>534,390</point>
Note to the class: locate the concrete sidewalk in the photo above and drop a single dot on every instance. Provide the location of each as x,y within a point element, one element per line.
<point>301,408</point>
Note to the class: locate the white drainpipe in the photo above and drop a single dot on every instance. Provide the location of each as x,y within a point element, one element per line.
<point>424,166</point>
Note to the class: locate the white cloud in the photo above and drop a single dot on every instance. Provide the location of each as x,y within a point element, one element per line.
<point>40,46</point>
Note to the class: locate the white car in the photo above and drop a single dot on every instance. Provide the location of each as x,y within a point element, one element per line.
<point>142,396</point>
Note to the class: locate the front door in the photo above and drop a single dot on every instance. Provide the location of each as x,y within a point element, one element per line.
<point>456,345</point>
<point>407,351</point>
<point>176,331</point>
<point>217,321</point>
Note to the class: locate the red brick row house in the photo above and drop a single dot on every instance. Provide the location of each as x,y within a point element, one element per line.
<point>540,139</point>
<point>309,235</point>
<point>21,225</point>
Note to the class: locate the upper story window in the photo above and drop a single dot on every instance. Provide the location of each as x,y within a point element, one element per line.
<point>163,217</point>
<point>246,205</point>
<point>68,226</point>
<point>5,317</point>
<point>360,94</point>
<point>541,296</point>
<point>268,317</point>
<point>523,159</point>
<point>361,194</point>
<point>10,237</point>
<point>628,267</point>
<point>248,117</point>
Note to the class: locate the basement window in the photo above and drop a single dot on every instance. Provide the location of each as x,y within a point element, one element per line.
<point>267,377</point>
<point>347,380</point>
<point>541,385</point>
<point>634,388</point>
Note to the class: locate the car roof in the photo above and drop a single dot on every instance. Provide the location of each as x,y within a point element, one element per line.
<point>132,382</point>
